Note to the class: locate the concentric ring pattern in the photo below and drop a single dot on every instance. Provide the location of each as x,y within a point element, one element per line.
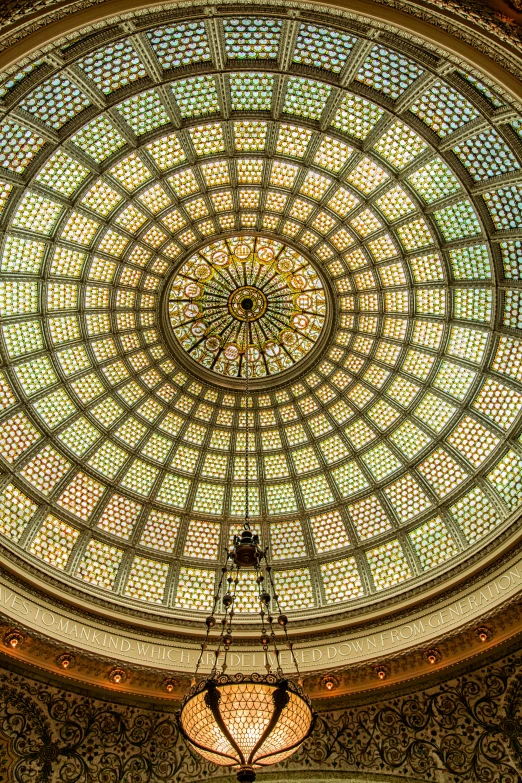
<point>397,455</point>
<point>284,296</point>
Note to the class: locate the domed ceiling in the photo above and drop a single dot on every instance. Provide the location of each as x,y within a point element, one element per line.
<point>365,195</point>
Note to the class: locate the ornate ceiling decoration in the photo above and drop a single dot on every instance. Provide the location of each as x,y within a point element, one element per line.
<point>284,294</point>
<point>394,174</point>
<point>466,727</point>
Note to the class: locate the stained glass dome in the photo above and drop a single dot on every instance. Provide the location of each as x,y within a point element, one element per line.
<point>387,415</point>
<point>285,307</point>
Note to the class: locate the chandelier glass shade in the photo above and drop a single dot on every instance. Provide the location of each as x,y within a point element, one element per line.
<point>246,721</point>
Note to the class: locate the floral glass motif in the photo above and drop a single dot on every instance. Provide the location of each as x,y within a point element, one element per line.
<point>285,294</point>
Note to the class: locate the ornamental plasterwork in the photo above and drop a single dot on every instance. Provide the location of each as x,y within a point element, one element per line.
<point>490,19</point>
<point>466,729</point>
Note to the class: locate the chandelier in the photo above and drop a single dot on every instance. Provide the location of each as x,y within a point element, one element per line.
<point>246,721</point>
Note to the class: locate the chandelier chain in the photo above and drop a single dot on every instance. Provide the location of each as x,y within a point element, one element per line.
<point>276,599</point>
<point>247,425</point>
<point>272,689</point>
<point>211,622</point>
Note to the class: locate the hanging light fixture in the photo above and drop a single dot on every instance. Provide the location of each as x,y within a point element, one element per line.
<point>246,721</point>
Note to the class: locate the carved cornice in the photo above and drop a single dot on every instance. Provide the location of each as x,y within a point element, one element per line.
<point>488,26</point>
<point>149,657</point>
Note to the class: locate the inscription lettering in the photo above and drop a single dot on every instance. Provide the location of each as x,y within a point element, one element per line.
<point>18,606</point>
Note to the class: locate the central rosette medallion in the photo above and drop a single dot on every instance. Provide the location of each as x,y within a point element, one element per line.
<point>247,303</point>
<point>247,299</point>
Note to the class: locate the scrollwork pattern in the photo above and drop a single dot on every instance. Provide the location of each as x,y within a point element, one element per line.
<point>468,730</point>
<point>58,736</point>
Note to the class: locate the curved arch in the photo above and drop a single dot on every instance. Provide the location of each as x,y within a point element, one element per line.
<point>381,13</point>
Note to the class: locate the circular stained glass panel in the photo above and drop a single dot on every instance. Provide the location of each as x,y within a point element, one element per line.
<point>247,299</point>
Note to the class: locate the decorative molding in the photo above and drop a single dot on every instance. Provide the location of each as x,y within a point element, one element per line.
<point>489,27</point>
<point>152,658</point>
